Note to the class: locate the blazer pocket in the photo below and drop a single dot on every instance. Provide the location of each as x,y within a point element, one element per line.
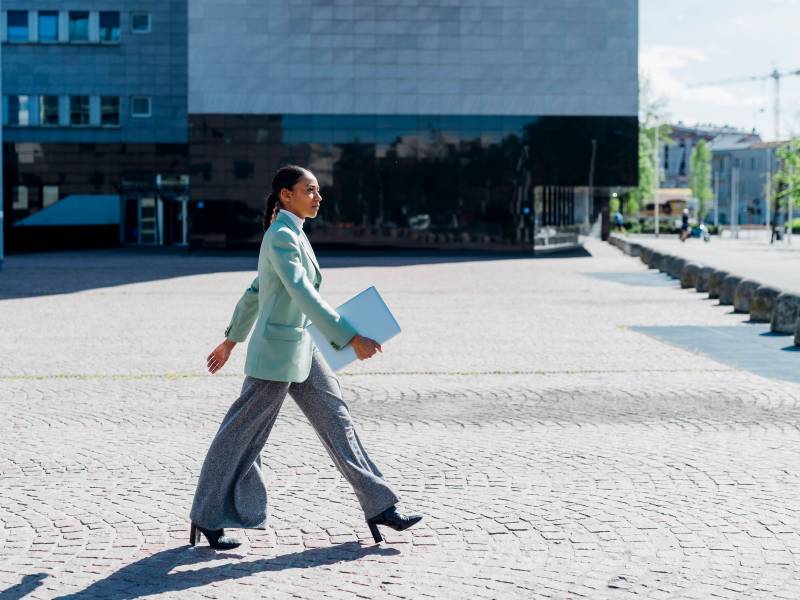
<point>276,331</point>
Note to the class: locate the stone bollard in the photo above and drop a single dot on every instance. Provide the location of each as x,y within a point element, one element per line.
<point>663,265</point>
<point>689,275</point>
<point>655,260</point>
<point>762,304</point>
<point>797,333</point>
<point>634,249</point>
<point>728,289</point>
<point>715,283</point>
<point>703,275</point>
<point>784,313</point>
<point>743,295</point>
<point>675,266</point>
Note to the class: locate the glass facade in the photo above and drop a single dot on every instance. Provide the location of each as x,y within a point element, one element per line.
<point>427,181</point>
<point>49,111</point>
<point>419,182</point>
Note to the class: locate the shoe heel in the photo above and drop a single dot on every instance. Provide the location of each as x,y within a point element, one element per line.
<point>376,535</point>
<point>193,534</point>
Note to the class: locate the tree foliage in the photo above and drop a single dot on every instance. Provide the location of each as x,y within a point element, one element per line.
<point>787,177</point>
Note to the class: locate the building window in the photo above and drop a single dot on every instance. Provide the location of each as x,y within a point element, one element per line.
<point>17,25</point>
<point>140,22</point>
<point>19,110</point>
<point>48,26</point>
<point>109,111</point>
<point>79,26</point>
<point>140,106</point>
<point>79,110</point>
<point>48,111</point>
<point>49,195</point>
<point>19,197</point>
<point>109,27</point>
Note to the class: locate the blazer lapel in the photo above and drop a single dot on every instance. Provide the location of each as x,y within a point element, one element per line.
<point>311,254</point>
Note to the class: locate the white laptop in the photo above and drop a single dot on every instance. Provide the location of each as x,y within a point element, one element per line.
<point>369,315</point>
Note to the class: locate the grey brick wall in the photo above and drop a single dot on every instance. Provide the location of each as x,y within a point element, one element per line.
<point>151,64</point>
<point>500,57</point>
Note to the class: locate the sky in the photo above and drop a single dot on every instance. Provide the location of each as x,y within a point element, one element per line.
<point>683,43</point>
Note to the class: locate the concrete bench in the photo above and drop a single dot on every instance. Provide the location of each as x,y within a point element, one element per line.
<point>743,296</point>
<point>715,282</point>
<point>784,313</point>
<point>762,303</point>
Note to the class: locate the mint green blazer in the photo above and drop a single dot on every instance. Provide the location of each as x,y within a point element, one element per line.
<point>283,301</point>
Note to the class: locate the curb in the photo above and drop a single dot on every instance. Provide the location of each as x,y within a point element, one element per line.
<point>765,304</point>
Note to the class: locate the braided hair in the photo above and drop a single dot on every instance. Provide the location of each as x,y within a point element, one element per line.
<point>285,177</point>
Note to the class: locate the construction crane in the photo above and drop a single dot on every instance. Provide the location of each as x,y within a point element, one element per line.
<point>776,79</point>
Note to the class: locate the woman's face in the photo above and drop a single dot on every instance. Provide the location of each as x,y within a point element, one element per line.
<point>303,199</point>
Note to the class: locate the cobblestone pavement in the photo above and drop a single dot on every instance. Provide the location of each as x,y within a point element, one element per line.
<point>554,451</point>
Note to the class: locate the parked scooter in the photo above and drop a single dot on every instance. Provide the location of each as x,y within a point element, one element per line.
<point>701,231</point>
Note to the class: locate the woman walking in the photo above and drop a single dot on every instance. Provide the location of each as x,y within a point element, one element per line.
<point>281,358</point>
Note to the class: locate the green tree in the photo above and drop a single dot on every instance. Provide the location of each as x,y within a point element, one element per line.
<point>701,176</point>
<point>613,205</point>
<point>787,177</point>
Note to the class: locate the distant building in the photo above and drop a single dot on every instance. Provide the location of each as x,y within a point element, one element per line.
<point>740,163</point>
<point>676,153</point>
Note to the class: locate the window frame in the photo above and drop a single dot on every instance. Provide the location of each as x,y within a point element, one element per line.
<point>27,27</point>
<point>45,187</point>
<point>88,112</point>
<point>135,14</point>
<point>49,13</point>
<point>15,189</point>
<point>16,113</point>
<point>100,26</point>
<point>88,26</point>
<point>119,112</point>
<point>149,107</point>
<point>42,122</point>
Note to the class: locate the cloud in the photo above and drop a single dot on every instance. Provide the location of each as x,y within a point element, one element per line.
<point>661,64</point>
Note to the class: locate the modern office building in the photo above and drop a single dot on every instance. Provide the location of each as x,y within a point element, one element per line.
<point>94,118</point>
<point>433,124</point>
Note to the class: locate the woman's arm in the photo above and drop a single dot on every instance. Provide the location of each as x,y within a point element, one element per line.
<point>244,315</point>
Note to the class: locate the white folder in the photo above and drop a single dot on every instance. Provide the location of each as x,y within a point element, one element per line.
<point>369,315</point>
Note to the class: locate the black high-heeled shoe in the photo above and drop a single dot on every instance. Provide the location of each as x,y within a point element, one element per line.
<point>216,538</point>
<point>391,518</point>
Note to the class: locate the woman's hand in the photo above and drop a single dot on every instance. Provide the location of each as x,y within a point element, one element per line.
<point>365,347</point>
<point>219,356</point>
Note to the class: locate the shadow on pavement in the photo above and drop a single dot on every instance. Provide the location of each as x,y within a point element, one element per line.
<point>47,273</point>
<point>28,584</point>
<point>154,574</point>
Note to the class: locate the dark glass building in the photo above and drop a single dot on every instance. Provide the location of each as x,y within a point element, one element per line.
<point>497,127</point>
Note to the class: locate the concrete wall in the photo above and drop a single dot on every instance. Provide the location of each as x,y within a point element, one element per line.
<point>485,57</point>
<point>149,64</point>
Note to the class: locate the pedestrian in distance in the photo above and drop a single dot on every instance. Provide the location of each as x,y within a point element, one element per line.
<point>684,225</point>
<point>281,358</point>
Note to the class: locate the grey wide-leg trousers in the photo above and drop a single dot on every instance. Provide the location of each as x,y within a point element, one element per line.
<point>231,491</point>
